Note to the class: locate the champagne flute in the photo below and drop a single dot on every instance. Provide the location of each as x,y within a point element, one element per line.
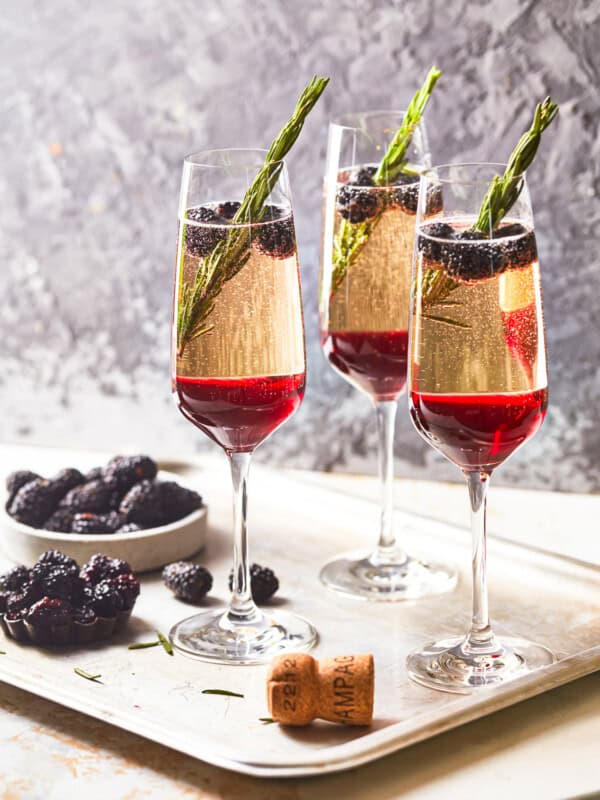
<point>241,372</point>
<point>477,381</point>
<point>364,307</point>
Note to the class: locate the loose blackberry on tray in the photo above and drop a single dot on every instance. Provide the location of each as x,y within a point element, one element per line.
<point>263,583</point>
<point>189,582</point>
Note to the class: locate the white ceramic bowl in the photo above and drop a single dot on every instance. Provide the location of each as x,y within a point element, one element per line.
<point>144,550</point>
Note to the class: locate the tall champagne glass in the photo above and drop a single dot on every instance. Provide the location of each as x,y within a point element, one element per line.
<point>477,384</point>
<point>243,375</point>
<point>368,234</point>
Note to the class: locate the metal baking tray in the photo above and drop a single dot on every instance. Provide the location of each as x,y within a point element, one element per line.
<point>295,527</point>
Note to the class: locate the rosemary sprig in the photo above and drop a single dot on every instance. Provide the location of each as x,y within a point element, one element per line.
<point>347,244</point>
<point>224,692</point>
<point>143,645</point>
<point>352,237</point>
<point>504,191</point>
<point>229,256</point>
<point>166,644</point>
<point>501,195</point>
<point>394,161</point>
<point>87,675</point>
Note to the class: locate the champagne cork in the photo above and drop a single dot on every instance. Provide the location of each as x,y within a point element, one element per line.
<point>339,689</point>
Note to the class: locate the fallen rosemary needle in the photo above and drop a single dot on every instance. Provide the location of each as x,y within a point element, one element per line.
<point>143,645</point>
<point>2,652</point>
<point>224,692</point>
<point>167,646</point>
<point>266,720</point>
<point>87,675</point>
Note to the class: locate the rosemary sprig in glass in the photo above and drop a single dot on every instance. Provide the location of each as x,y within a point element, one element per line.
<point>352,237</point>
<point>503,192</point>
<point>197,300</point>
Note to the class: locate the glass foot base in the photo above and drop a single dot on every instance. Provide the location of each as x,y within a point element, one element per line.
<point>211,636</point>
<point>405,579</point>
<point>450,666</point>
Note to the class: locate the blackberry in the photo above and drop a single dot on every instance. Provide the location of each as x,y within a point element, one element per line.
<point>65,480</point>
<point>87,523</point>
<point>129,527</point>
<point>278,237</point>
<point>187,581</point>
<point>434,202</point>
<point>60,521</point>
<point>15,579</point>
<point>83,593</point>
<point>263,583</point>
<point>122,472</point>
<point>116,566</point>
<point>405,193</point>
<point>440,230</point>
<point>54,558</point>
<point>93,496</point>
<point>16,480</point>
<point>114,501</point>
<point>49,613</point>
<point>113,520</point>
<point>128,586</point>
<point>101,567</point>
<point>34,502</point>
<point>3,598</point>
<point>18,601</point>
<point>201,240</point>
<point>107,601</point>
<point>472,257</point>
<point>96,568</point>
<point>94,474</point>
<point>228,210</point>
<point>177,501</point>
<point>91,523</point>
<point>143,504</point>
<point>359,199</point>
<point>84,615</point>
<point>62,584</point>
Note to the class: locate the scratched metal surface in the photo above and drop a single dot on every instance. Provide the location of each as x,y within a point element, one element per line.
<point>295,526</point>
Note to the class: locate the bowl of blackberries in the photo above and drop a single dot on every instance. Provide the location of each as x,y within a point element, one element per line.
<point>54,602</point>
<point>127,508</point>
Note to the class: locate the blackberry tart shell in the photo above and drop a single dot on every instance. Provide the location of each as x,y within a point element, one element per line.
<point>74,632</point>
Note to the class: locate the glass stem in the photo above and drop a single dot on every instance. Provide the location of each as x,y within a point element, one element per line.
<point>241,607</point>
<point>387,548</point>
<point>480,637</point>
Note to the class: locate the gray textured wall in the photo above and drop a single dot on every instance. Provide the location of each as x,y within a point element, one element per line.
<point>98,106</point>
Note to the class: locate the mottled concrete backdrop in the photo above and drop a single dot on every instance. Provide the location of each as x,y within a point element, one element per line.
<point>99,101</point>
